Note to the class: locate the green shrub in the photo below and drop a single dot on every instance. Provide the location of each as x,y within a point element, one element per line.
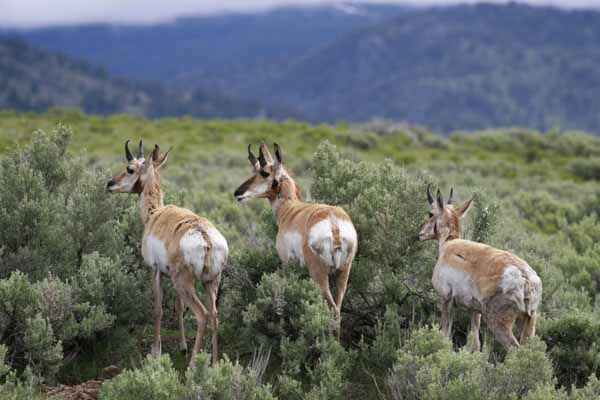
<point>12,388</point>
<point>226,381</point>
<point>156,379</point>
<point>574,346</point>
<point>591,391</point>
<point>427,367</point>
<point>586,169</point>
<point>36,319</point>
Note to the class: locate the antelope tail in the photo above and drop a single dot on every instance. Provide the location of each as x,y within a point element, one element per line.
<point>208,254</point>
<point>337,245</point>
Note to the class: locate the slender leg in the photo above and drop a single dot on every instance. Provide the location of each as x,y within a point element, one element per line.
<point>319,274</point>
<point>156,290</point>
<point>475,324</point>
<point>446,306</point>
<point>212,289</point>
<point>180,308</point>
<point>184,284</point>
<point>341,283</point>
<point>528,328</point>
<point>520,325</point>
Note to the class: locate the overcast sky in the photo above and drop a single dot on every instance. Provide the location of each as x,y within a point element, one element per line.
<point>34,13</point>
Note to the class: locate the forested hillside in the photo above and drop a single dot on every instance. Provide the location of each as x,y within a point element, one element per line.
<point>459,67</point>
<point>76,295</point>
<point>189,47</point>
<point>35,80</point>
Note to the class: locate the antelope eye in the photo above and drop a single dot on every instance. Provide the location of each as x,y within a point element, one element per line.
<point>430,214</point>
<point>264,174</point>
<point>130,171</point>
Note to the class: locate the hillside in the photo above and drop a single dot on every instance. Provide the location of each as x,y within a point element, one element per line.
<point>34,80</point>
<point>460,67</point>
<point>451,68</point>
<point>191,46</point>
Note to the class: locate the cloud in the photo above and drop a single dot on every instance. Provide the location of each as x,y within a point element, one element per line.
<point>36,13</point>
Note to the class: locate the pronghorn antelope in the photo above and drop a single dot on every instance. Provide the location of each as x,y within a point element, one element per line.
<point>177,243</point>
<point>320,236</point>
<point>487,281</point>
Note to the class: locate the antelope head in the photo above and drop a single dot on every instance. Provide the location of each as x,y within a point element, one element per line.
<point>266,175</point>
<point>138,170</point>
<point>444,218</point>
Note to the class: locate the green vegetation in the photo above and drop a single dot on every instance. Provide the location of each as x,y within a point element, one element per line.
<point>75,293</point>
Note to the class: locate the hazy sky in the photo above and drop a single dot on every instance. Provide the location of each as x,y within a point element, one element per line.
<point>30,13</point>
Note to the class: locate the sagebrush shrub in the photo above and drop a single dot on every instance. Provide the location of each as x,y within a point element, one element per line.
<point>67,265</point>
<point>156,379</point>
<point>428,368</point>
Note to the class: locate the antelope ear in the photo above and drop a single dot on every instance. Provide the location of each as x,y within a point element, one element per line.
<point>252,158</point>
<point>462,210</point>
<point>159,159</point>
<point>278,164</point>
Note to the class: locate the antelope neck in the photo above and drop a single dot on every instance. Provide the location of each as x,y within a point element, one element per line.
<point>286,195</point>
<point>151,198</point>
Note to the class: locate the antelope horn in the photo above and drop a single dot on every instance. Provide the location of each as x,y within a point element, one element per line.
<point>277,152</point>
<point>127,152</point>
<point>429,195</point>
<point>261,156</point>
<point>140,153</point>
<point>450,197</point>
<point>440,200</point>
<point>251,156</point>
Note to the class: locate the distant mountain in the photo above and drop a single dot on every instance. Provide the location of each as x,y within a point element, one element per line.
<point>450,68</point>
<point>193,46</point>
<point>459,67</point>
<point>35,80</point>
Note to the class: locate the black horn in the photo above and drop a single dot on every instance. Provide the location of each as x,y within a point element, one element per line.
<point>277,152</point>
<point>251,156</point>
<point>127,152</point>
<point>140,153</point>
<point>429,195</point>
<point>440,200</point>
<point>261,157</point>
<point>450,197</point>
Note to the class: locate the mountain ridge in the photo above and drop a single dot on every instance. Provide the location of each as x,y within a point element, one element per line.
<point>32,79</point>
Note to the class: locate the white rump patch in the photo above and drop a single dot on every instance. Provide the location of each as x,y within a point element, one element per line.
<point>524,286</point>
<point>348,235</point>
<point>512,280</point>
<point>289,247</point>
<point>219,253</point>
<point>154,252</point>
<point>321,241</point>
<point>193,248</point>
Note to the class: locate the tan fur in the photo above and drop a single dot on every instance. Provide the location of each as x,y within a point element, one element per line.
<point>483,263</point>
<point>167,225</point>
<point>487,281</point>
<point>295,216</point>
